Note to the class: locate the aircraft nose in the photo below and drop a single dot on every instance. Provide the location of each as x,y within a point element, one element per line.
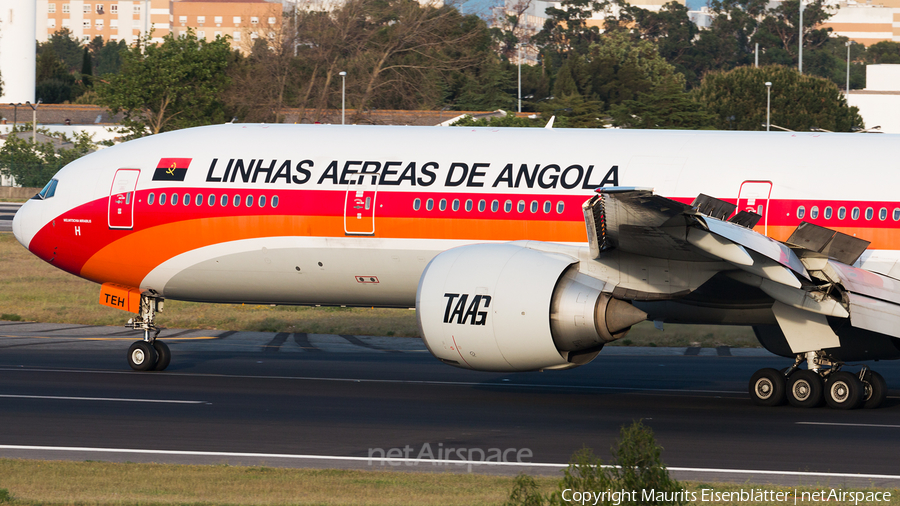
<point>23,224</point>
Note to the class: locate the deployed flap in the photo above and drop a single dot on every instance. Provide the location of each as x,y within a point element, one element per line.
<point>710,206</point>
<point>635,219</point>
<point>803,330</point>
<point>875,315</point>
<point>831,243</point>
<point>765,246</point>
<point>746,219</point>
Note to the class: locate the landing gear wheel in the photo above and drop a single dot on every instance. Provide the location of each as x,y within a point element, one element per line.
<point>141,356</point>
<point>767,387</point>
<point>843,390</point>
<point>874,390</point>
<point>804,389</point>
<point>163,354</point>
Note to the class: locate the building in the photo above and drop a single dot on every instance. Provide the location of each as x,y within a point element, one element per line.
<point>866,23</point>
<point>879,103</point>
<point>129,20</point>
<point>242,20</point>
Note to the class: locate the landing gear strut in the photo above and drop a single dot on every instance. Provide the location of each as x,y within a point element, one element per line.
<point>149,354</point>
<point>822,380</point>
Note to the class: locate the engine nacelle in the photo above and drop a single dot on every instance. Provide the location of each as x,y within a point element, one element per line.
<point>505,307</point>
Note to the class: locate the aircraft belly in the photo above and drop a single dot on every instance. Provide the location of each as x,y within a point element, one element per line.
<point>304,276</point>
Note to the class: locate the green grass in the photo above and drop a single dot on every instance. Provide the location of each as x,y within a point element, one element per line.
<point>33,290</point>
<point>35,482</point>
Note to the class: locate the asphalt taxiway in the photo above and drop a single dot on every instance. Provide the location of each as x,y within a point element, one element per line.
<point>7,211</point>
<point>308,400</point>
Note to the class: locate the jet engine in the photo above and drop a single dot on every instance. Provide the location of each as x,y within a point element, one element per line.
<point>506,307</point>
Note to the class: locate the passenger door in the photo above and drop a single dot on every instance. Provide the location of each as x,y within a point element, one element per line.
<point>753,196</point>
<point>121,199</point>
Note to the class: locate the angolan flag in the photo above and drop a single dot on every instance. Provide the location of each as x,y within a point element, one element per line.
<point>171,169</point>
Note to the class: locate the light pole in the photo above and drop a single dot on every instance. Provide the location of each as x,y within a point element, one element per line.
<point>768,105</point>
<point>33,120</point>
<point>756,56</point>
<point>520,75</point>
<point>847,89</point>
<point>800,64</point>
<point>15,114</point>
<point>343,93</point>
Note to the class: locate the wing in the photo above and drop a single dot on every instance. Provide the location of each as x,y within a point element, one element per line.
<point>809,277</point>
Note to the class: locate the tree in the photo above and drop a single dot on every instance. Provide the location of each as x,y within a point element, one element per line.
<point>162,87</point>
<point>54,83</point>
<point>883,52</point>
<point>737,99</point>
<point>109,58</point>
<point>510,120</point>
<point>87,68</point>
<point>33,164</point>
<point>66,47</point>
<point>667,106</point>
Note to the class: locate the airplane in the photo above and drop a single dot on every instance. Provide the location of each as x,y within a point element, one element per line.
<point>520,249</point>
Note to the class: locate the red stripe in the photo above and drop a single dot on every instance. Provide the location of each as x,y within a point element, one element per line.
<point>180,163</point>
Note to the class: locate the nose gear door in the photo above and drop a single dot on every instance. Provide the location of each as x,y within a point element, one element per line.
<point>121,199</point>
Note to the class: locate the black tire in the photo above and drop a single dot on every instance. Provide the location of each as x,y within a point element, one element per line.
<point>141,356</point>
<point>843,391</point>
<point>874,390</point>
<point>767,388</point>
<point>804,389</point>
<point>164,356</point>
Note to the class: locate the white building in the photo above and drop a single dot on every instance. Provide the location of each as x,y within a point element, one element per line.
<point>879,103</point>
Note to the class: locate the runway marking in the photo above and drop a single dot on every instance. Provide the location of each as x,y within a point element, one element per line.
<point>135,337</point>
<point>389,381</point>
<point>850,424</point>
<point>302,340</point>
<point>110,399</point>
<point>424,461</point>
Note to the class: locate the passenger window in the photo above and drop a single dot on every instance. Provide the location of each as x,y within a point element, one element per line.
<point>275,201</point>
<point>534,206</point>
<point>249,201</point>
<point>236,201</point>
<point>560,207</point>
<point>211,200</point>
<point>495,206</point>
<point>429,205</point>
<point>842,213</point>
<point>814,212</point>
<point>801,212</point>
<point>443,205</point>
<point>468,205</point>
<point>507,206</point>
<point>896,214</point>
<point>262,201</point>
<point>854,214</point>
<point>198,201</point>
<point>162,199</point>
<point>186,201</point>
<point>828,213</point>
<point>417,204</point>
<point>482,205</point>
<point>521,206</point>
<point>870,213</point>
<point>223,201</point>
<point>174,200</point>
<point>456,204</point>
<point>882,214</point>
<point>547,206</point>
<point>151,198</point>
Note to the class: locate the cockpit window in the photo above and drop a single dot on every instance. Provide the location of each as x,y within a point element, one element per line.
<point>49,190</point>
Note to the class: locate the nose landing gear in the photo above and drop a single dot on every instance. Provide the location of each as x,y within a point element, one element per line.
<point>150,354</point>
<point>823,380</point>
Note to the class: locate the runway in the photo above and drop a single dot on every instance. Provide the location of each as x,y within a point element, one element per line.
<point>308,400</point>
<point>7,211</point>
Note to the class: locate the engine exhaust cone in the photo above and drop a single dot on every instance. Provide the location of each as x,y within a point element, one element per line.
<point>620,315</point>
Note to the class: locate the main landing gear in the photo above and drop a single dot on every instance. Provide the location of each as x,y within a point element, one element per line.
<point>823,380</point>
<point>150,354</point>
